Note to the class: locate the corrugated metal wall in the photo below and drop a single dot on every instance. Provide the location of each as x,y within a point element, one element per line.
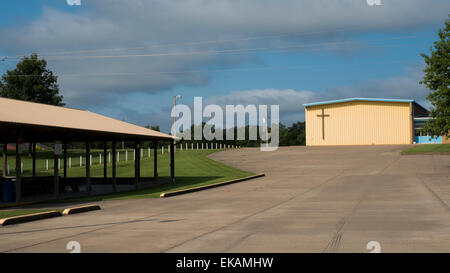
<point>446,139</point>
<point>359,123</point>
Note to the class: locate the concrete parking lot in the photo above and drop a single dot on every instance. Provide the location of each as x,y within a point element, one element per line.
<point>313,199</point>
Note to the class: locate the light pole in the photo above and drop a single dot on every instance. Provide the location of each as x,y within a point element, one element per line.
<point>175,117</point>
<point>265,120</point>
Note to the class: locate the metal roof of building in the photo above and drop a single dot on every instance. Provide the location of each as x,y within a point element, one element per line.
<point>357,99</point>
<point>36,114</point>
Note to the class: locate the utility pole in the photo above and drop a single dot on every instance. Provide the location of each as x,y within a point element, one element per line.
<point>266,121</point>
<point>267,129</point>
<point>174,116</point>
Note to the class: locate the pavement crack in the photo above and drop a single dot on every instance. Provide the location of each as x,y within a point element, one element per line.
<point>433,193</point>
<point>256,213</point>
<point>334,244</point>
<point>81,226</point>
<point>81,233</point>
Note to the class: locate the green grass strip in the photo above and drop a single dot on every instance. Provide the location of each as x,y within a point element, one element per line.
<point>428,149</point>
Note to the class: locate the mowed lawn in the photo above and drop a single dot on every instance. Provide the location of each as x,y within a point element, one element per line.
<point>192,168</point>
<point>19,212</point>
<point>428,149</point>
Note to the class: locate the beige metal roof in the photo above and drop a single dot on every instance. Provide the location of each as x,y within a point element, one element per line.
<point>30,113</point>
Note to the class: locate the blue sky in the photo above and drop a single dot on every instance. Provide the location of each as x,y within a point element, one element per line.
<point>228,52</point>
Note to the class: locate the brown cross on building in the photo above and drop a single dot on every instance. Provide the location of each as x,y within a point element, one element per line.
<point>323,116</point>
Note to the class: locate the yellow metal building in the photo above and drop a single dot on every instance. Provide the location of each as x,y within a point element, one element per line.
<point>361,121</point>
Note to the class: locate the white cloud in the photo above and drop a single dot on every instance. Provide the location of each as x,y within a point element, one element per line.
<point>73,2</point>
<point>291,101</point>
<point>112,24</point>
<point>399,87</point>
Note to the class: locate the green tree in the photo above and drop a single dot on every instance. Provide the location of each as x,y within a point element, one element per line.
<point>31,80</point>
<point>437,79</point>
<point>154,128</point>
<point>294,135</point>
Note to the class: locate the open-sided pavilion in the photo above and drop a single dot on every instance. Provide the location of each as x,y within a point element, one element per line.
<point>28,122</point>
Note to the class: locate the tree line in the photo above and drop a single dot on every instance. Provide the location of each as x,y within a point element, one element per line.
<point>288,136</point>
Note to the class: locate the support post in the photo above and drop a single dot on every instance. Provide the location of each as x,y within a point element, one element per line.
<point>56,176</point>
<point>172,160</point>
<point>65,160</point>
<point>137,164</point>
<point>114,166</point>
<point>33,154</point>
<point>105,173</point>
<point>88,167</point>
<point>5,159</point>
<point>411,122</point>
<point>155,160</point>
<point>18,174</point>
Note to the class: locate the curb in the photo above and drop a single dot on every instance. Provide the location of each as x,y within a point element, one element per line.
<point>80,209</point>
<point>29,217</point>
<point>174,193</point>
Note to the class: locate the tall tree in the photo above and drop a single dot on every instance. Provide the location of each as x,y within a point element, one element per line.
<point>31,80</point>
<point>154,128</point>
<point>437,79</point>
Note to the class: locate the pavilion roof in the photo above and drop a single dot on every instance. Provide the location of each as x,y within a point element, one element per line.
<point>37,118</point>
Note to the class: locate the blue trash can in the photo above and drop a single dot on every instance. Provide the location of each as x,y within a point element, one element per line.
<point>8,191</point>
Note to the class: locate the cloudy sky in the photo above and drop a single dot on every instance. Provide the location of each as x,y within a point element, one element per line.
<point>127,59</point>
